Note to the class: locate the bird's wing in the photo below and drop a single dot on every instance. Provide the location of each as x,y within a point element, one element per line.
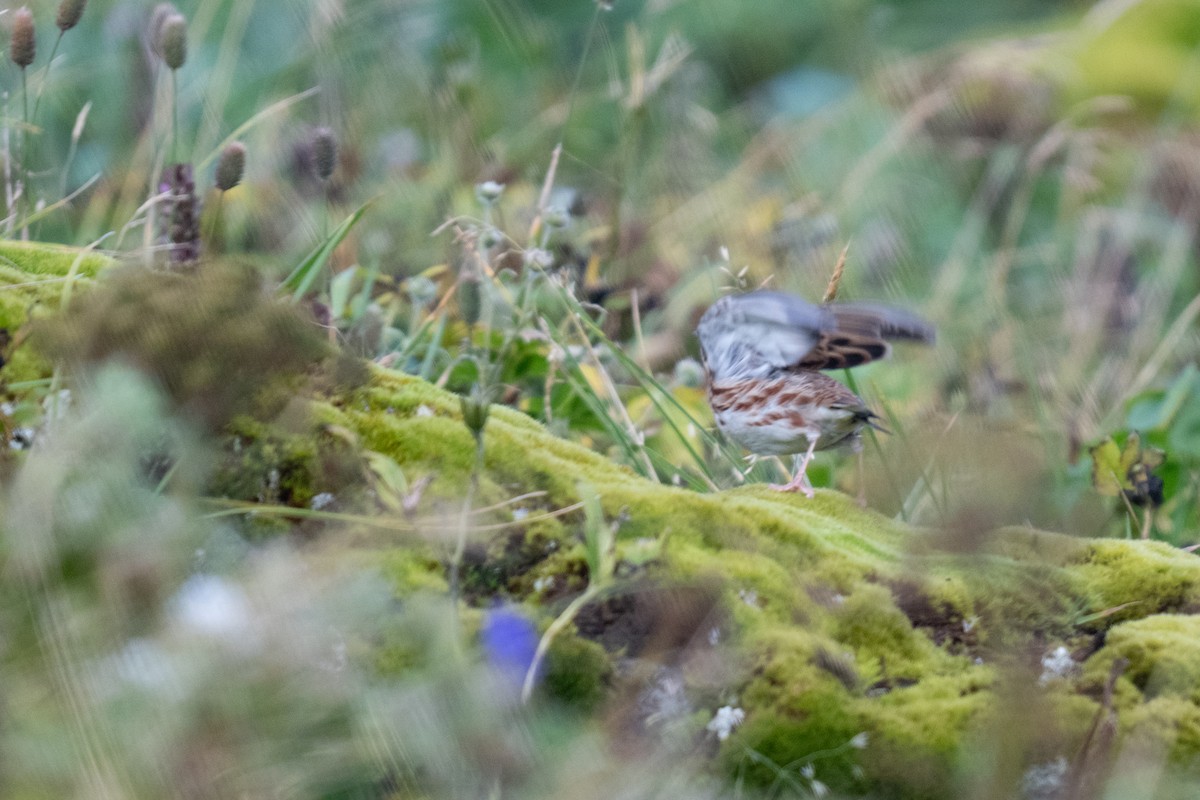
<point>751,335</point>
<point>860,334</point>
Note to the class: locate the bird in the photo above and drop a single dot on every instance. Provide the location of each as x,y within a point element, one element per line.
<point>763,352</point>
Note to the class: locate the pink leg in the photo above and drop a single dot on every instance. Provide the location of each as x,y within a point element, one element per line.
<point>800,482</point>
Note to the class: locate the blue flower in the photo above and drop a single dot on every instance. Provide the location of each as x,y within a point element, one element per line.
<point>509,641</point>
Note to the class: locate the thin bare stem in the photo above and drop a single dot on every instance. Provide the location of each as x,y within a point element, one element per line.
<point>37,102</point>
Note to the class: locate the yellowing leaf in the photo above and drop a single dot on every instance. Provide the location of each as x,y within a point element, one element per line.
<point>1106,467</point>
<point>1127,470</point>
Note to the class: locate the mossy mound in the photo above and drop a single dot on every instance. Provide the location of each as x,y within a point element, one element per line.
<point>844,622</point>
<point>909,669</point>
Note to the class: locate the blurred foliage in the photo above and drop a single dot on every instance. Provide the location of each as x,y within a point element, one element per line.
<point>539,199</point>
<point>214,341</point>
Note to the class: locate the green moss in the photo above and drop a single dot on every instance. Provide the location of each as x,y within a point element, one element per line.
<point>917,732</point>
<point>261,464</point>
<point>34,280</point>
<point>412,569</point>
<point>809,722</point>
<point>1165,725</point>
<point>577,672</point>
<point>880,635</point>
<point>1163,652</point>
<point>1145,578</point>
<point>36,259</point>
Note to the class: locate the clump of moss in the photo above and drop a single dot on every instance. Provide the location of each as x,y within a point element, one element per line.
<point>213,340</point>
<point>261,465</point>
<point>508,564</point>
<point>577,673</point>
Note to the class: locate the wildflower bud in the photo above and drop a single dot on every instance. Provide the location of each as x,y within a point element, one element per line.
<point>557,217</point>
<point>22,48</point>
<point>324,152</point>
<point>488,192</point>
<point>489,238</point>
<point>470,299</point>
<point>69,12</point>
<point>475,409</point>
<point>172,41</point>
<point>689,372</point>
<point>154,30</point>
<point>183,213</point>
<point>230,166</point>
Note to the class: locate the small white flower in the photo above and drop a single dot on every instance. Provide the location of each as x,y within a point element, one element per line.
<point>819,789</point>
<point>1056,665</point>
<point>537,257</point>
<point>808,772</point>
<point>725,720</point>
<point>714,636</point>
<point>322,500</point>
<point>424,411</point>
<point>520,513</point>
<point>860,740</point>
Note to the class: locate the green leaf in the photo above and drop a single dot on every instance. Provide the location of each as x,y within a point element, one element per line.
<point>363,299</point>
<point>339,292</point>
<point>302,276</point>
<point>389,482</point>
<point>1157,410</point>
<point>599,541</point>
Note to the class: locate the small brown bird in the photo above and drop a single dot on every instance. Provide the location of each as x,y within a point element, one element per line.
<point>762,355</point>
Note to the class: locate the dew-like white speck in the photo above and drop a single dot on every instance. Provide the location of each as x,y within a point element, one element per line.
<point>211,605</point>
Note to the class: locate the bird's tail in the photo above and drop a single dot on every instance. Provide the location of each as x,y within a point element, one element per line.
<point>884,322</point>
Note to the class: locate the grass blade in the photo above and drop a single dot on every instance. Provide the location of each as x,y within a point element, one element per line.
<point>302,277</point>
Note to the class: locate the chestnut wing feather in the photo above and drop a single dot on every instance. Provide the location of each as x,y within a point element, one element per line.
<point>861,333</point>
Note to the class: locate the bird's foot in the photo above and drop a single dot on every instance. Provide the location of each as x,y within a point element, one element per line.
<point>797,484</point>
